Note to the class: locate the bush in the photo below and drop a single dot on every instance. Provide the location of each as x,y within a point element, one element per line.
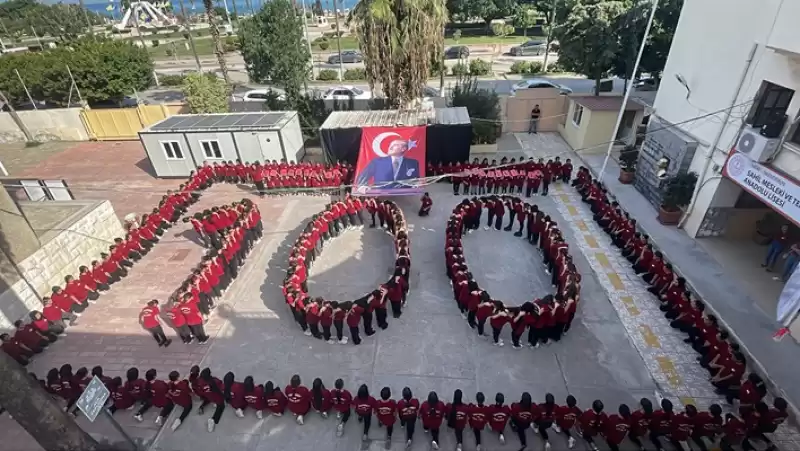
<point>327,75</point>
<point>227,48</point>
<point>480,67</point>
<point>555,67</point>
<point>483,106</point>
<point>460,69</point>
<point>169,52</point>
<point>437,68</point>
<point>332,34</point>
<point>355,74</point>
<point>520,67</point>
<point>457,35</point>
<point>155,42</point>
<point>535,67</point>
<point>171,80</point>
<point>323,45</point>
<point>233,42</point>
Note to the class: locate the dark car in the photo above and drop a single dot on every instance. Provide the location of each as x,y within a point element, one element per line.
<point>457,52</point>
<point>348,56</point>
<point>529,48</point>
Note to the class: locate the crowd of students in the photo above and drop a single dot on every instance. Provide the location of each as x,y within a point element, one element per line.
<point>66,304</point>
<point>506,177</point>
<point>230,232</point>
<point>643,422</point>
<point>276,178</point>
<point>546,319</point>
<point>316,315</point>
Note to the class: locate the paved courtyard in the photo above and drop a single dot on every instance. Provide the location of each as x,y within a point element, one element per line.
<point>618,350</point>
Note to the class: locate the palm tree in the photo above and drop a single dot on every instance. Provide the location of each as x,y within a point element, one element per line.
<point>218,49</point>
<point>398,39</point>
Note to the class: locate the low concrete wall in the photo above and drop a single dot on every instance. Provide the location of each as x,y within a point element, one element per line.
<point>62,124</point>
<point>74,242</point>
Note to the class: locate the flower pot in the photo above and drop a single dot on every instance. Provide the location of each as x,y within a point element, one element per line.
<point>669,217</point>
<point>626,177</point>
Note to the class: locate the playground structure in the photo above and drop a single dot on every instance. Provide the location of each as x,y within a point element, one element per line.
<point>147,14</point>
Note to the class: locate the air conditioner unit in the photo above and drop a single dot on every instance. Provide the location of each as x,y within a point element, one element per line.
<point>756,146</point>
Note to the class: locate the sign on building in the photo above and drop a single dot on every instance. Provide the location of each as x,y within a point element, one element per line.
<point>93,399</point>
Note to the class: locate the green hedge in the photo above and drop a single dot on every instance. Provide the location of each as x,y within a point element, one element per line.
<point>460,69</point>
<point>355,74</point>
<point>526,67</point>
<point>327,75</point>
<point>480,67</point>
<point>170,80</point>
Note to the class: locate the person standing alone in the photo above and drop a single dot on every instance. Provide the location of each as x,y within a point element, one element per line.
<point>535,115</point>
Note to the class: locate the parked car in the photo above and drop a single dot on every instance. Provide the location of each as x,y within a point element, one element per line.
<point>348,56</point>
<point>257,95</point>
<point>529,48</point>
<point>457,52</point>
<point>346,93</point>
<point>645,84</point>
<point>532,83</point>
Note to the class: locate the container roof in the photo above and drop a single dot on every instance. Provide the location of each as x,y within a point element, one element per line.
<point>606,103</point>
<point>391,118</point>
<point>225,122</point>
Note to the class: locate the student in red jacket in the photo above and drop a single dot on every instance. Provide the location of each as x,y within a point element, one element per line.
<point>427,203</point>
<point>136,386</point>
<point>616,427</point>
<point>353,318</point>
<point>478,415</point>
<point>661,423</point>
<point>120,395</point>
<point>363,404</point>
<point>407,411</point>
<point>523,414</point>
<point>149,319</point>
<point>457,415</point>
<point>179,394</point>
<point>386,411</point>
<point>547,414</point>
<point>299,398</point>
<point>211,393</point>
<point>156,396</point>
<point>733,432</point>
<point>640,422</point>
<point>591,423</point>
<point>498,416</point>
<point>341,400</point>
<point>254,396</point>
<point>566,417</point>
<point>320,398</point>
<point>705,424</point>
<point>432,413</point>
<point>233,393</point>
<point>275,400</point>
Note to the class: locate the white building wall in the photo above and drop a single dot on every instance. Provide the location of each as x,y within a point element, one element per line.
<point>709,51</point>
<point>78,243</point>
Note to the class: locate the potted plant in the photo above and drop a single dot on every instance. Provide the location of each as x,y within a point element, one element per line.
<point>627,164</point>
<point>677,196</point>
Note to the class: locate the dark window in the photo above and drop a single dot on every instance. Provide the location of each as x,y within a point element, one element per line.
<point>771,101</point>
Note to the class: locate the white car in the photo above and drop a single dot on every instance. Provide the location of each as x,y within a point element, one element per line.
<point>539,83</point>
<point>257,95</point>
<point>346,93</point>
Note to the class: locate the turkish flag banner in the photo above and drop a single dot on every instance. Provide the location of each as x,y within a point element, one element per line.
<point>391,161</point>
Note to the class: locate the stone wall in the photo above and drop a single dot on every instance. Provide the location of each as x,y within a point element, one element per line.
<point>75,241</point>
<point>61,124</point>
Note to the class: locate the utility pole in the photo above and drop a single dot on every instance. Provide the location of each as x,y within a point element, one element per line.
<point>17,120</point>
<point>37,413</point>
<point>191,38</point>
<point>551,24</point>
<point>338,40</point>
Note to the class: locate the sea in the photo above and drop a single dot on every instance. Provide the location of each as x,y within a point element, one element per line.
<point>196,6</point>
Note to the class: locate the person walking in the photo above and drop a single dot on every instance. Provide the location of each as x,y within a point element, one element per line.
<point>149,319</point>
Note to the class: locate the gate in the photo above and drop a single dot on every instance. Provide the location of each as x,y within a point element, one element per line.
<point>116,124</point>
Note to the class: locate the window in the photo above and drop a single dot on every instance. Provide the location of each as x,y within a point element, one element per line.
<point>211,150</point>
<point>172,150</point>
<point>577,114</point>
<point>771,101</point>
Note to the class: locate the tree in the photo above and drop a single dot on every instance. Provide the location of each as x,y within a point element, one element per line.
<point>658,45</point>
<point>502,30</point>
<point>62,21</point>
<point>103,69</point>
<point>483,106</point>
<point>397,38</point>
<point>206,93</point>
<point>488,10</point>
<point>630,26</point>
<point>274,48</point>
<point>526,17</point>
<point>588,39</point>
<point>219,49</point>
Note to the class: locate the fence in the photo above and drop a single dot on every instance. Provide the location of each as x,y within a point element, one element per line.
<point>123,123</point>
